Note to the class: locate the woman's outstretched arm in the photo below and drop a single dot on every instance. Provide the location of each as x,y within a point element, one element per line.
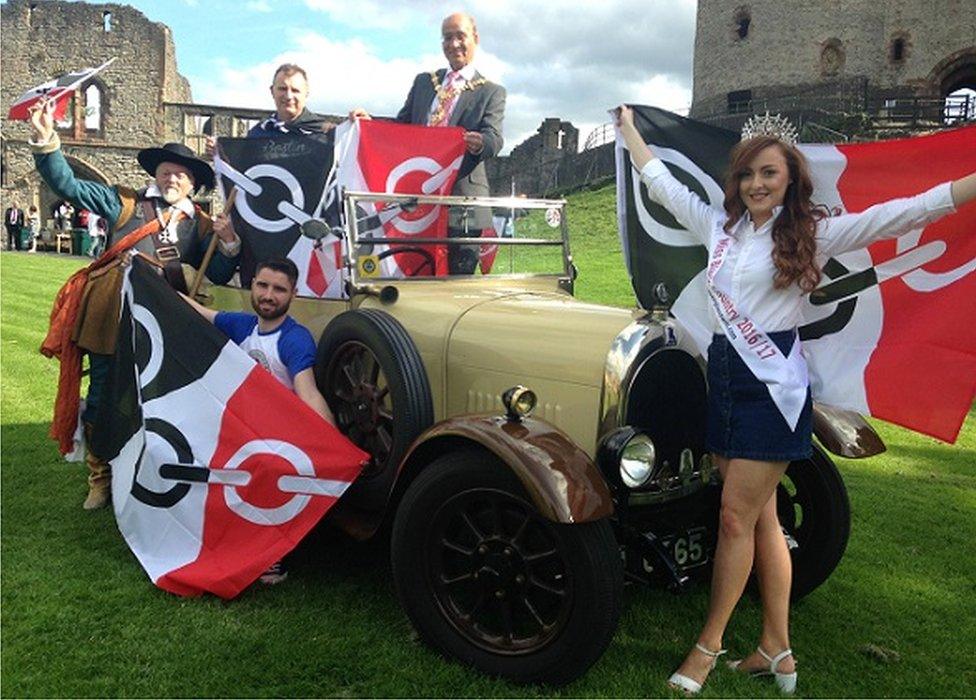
<point>964,190</point>
<point>687,207</point>
<point>640,154</point>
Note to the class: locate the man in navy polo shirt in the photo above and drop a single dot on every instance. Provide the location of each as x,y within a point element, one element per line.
<point>276,341</point>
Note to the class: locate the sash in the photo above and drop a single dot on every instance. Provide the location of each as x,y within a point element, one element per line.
<point>785,377</point>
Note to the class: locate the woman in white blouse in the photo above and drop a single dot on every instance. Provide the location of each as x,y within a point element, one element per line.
<point>765,254</point>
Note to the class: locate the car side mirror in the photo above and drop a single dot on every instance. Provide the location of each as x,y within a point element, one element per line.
<point>316,229</point>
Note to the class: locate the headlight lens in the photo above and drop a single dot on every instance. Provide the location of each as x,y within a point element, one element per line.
<point>637,461</point>
<point>519,402</point>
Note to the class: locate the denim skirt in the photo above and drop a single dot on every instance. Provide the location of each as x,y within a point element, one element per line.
<point>743,420</point>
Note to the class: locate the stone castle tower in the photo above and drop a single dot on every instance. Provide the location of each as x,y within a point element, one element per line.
<point>140,100</point>
<point>840,55</point>
<point>113,115</point>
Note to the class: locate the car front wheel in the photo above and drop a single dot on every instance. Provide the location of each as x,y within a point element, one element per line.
<point>487,580</point>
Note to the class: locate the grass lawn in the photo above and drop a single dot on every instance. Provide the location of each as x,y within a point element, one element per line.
<point>80,618</point>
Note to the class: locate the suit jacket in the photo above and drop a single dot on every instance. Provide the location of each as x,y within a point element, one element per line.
<point>481,109</point>
<point>15,225</point>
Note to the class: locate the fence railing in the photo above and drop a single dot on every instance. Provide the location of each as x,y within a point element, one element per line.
<point>882,112</point>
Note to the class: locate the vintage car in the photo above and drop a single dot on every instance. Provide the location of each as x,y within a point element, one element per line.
<point>530,450</point>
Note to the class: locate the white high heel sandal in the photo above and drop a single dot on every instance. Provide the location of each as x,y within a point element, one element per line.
<point>786,682</point>
<point>690,685</point>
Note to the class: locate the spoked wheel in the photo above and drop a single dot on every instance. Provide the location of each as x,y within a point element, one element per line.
<point>371,374</point>
<point>486,579</point>
<point>363,406</point>
<point>498,571</point>
<point>815,514</point>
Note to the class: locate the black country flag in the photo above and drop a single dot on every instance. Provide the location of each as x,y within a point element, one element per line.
<point>889,331</point>
<point>281,184</point>
<point>217,469</point>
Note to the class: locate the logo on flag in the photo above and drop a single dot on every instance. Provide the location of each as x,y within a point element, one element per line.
<point>218,470</point>
<point>887,332</point>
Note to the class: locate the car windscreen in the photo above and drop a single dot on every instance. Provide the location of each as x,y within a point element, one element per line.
<point>404,239</point>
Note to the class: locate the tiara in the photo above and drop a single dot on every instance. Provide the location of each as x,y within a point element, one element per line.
<point>774,125</point>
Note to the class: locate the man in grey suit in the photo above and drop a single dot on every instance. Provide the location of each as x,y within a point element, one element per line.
<point>460,96</point>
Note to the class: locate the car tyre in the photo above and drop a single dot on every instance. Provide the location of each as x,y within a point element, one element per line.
<point>371,374</point>
<point>485,579</point>
<point>815,513</point>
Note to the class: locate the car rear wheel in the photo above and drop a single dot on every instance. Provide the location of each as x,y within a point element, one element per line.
<point>487,580</point>
<point>815,513</point>
<point>371,374</point>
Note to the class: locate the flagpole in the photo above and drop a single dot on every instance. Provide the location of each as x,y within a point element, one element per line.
<point>198,279</point>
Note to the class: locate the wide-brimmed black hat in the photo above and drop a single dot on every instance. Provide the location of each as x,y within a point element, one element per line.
<point>150,158</point>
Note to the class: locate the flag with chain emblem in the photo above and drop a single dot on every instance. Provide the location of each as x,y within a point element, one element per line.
<point>888,331</point>
<point>218,470</point>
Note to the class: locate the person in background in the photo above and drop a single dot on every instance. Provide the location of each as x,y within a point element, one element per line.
<point>13,221</point>
<point>33,227</point>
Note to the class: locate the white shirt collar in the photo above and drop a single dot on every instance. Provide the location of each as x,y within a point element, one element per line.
<point>184,205</point>
<point>745,223</point>
<point>467,72</point>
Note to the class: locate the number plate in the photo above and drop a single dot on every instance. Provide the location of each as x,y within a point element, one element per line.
<point>689,548</point>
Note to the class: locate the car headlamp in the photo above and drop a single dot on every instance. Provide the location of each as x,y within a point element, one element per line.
<point>637,460</point>
<point>519,402</point>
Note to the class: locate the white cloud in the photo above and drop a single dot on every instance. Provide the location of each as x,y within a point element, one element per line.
<point>373,14</point>
<point>341,74</point>
<point>572,60</point>
<point>260,6</point>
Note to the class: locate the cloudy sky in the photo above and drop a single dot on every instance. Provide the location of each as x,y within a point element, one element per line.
<point>573,59</point>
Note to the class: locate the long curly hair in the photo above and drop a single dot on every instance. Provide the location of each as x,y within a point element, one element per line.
<point>794,231</point>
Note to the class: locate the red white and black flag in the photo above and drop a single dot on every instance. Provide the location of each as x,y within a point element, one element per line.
<point>281,184</point>
<point>889,331</point>
<point>285,180</point>
<point>59,89</point>
<point>384,156</point>
<point>218,470</point>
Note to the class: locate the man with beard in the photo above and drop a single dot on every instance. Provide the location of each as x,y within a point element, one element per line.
<point>160,221</point>
<point>277,342</point>
<point>178,173</point>
<point>274,339</point>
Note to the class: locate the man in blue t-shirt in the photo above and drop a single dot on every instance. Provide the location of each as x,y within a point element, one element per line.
<point>277,342</point>
<point>274,339</point>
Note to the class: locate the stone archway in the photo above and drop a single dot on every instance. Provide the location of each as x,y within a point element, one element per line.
<point>956,71</point>
<point>955,76</point>
<point>82,170</point>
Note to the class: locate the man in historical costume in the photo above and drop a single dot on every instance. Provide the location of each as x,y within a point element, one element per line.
<point>460,96</point>
<point>13,221</point>
<point>160,221</point>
